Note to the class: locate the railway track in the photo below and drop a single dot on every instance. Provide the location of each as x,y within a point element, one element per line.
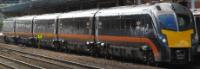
<point>4,66</point>
<point>16,64</point>
<point>48,61</point>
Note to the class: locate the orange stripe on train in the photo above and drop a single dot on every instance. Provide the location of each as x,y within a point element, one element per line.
<point>132,40</point>
<point>116,39</point>
<point>108,38</point>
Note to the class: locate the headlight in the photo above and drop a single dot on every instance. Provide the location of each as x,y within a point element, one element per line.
<point>87,43</point>
<point>164,40</point>
<point>102,44</point>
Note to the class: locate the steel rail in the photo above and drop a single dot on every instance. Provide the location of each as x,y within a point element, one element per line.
<point>29,57</point>
<point>58,60</point>
<point>18,61</point>
<point>7,66</point>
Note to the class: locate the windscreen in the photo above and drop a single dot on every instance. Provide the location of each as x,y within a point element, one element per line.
<point>184,22</point>
<point>168,21</point>
<point>184,17</point>
<point>181,20</point>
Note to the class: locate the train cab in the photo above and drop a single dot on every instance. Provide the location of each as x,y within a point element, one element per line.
<point>177,32</point>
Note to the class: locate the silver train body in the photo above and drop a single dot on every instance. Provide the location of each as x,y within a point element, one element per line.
<point>163,32</point>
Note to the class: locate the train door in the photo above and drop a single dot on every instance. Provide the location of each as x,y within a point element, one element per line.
<point>108,33</point>
<point>75,32</point>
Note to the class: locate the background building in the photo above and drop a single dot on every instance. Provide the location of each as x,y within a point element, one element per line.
<point>30,7</point>
<point>10,8</point>
<point>197,4</point>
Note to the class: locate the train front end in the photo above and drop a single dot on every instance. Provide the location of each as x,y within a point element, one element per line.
<point>178,35</point>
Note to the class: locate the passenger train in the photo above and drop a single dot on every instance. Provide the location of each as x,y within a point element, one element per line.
<point>162,32</point>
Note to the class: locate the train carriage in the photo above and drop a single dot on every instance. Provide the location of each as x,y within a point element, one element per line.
<point>126,31</point>
<point>163,32</point>
<point>177,26</point>
<point>75,29</point>
<point>23,29</point>
<point>8,29</point>
<point>44,29</point>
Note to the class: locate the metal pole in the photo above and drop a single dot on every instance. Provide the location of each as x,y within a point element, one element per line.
<point>193,5</point>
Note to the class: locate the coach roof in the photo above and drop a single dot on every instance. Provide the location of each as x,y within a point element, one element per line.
<point>47,16</point>
<point>81,13</point>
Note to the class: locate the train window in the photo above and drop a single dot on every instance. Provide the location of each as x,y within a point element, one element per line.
<point>128,25</point>
<point>23,26</point>
<point>8,26</point>
<point>65,26</point>
<point>49,28</point>
<point>184,17</point>
<point>110,25</point>
<point>82,28</point>
<point>184,21</point>
<point>38,28</point>
<point>179,8</point>
<point>74,26</point>
<point>44,26</point>
<point>100,25</point>
<point>88,25</point>
<point>168,21</point>
<point>137,25</point>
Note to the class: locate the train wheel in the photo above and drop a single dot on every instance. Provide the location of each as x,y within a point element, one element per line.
<point>107,55</point>
<point>66,49</point>
<point>91,52</point>
<point>14,40</point>
<point>19,40</point>
<point>64,44</point>
<point>33,42</point>
<point>150,59</point>
<point>148,55</point>
<point>57,46</point>
<point>6,40</point>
